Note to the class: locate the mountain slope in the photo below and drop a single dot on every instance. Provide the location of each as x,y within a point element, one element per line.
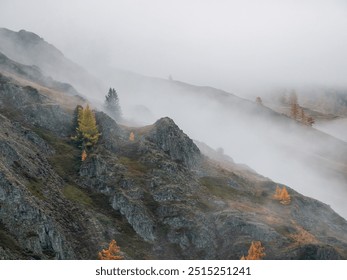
<point>270,142</point>
<point>30,49</point>
<point>34,74</point>
<point>158,196</point>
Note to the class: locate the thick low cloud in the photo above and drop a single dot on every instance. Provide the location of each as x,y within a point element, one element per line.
<point>235,45</point>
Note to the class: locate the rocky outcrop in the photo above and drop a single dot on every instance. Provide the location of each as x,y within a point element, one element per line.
<point>113,136</point>
<point>169,138</point>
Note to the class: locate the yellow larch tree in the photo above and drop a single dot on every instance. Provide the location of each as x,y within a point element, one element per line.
<point>87,128</point>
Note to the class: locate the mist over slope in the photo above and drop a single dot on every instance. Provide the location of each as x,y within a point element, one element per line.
<point>271,143</point>
<point>155,193</point>
<point>30,49</point>
<point>313,162</point>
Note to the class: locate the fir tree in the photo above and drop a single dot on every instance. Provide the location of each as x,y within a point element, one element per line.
<point>258,100</point>
<point>112,104</point>
<point>75,118</point>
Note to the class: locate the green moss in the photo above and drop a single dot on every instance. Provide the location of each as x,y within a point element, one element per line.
<point>75,194</point>
<point>35,187</point>
<point>133,165</point>
<point>66,160</point>
<point>6,241</point>
<point>219,187</point>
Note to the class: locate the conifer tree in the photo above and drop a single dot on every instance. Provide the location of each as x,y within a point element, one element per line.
<point>87,129</point>
<point>112,253</point>
<point>277,194</point>
<point>84,155</point>
<point>255,252</point>
<point>258,100</point>
<point>285,197</point>
<point>75,121</point>
<point>112,105</point>
<point>294,106</point>
<point>282,195</point>
<point>310,121</point>
<point>302,116</point>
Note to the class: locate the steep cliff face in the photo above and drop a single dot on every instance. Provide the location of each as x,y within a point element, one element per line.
<point>156,194</point>
<point>24,172</point>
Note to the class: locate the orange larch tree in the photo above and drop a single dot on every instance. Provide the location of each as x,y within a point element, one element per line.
<point>285,197</point>
<point>277,194</point>
<point>282,195</point>
<point>84,155</point>
<point>255,252</point>
<point>131,136</point>
<point>112,253</point>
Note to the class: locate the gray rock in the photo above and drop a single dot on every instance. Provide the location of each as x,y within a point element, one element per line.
<point>168,137</point>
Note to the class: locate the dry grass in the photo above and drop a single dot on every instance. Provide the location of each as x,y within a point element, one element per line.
<point>302,236</point>
<point>67,102</point>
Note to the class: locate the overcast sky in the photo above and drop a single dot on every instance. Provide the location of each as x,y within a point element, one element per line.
<point>230,44</point>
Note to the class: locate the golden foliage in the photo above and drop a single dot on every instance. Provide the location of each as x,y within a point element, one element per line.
<point>277,194</point>
<point>131,136</point>
<point>282,195</point>
<point>255,251</point>
<point>87,129</point>
<point>84,155</point>
<point>112,253</point>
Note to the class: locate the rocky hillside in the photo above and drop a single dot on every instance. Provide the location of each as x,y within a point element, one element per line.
<point>157,195</point>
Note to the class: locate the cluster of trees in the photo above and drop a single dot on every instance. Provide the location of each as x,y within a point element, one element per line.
<point>297,112</point>
<point>255,252</point>
<point>84,122</point>
<point>282,195</point>
<point>112,253</point>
